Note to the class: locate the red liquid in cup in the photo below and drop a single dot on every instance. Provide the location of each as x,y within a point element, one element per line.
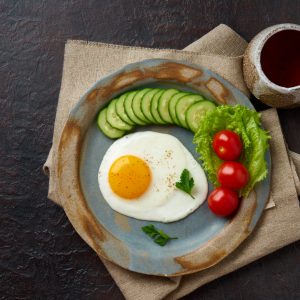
<point>280,58</point>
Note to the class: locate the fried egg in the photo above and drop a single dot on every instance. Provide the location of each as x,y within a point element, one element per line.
<point>138,173</point>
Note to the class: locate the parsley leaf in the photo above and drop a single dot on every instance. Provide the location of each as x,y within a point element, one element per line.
<point>186,182</point>
<point>158,236</point>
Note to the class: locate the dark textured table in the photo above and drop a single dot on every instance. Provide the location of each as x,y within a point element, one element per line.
<point>41,257</point>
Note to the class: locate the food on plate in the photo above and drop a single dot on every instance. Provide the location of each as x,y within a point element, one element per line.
<point>138,173</point>
<point>186,182</point>
<point>106,128</point>
<point>164,182</point>
<point>196,112</point>
<point>138,176</point>
<point>233,175</point>
<point>157,235</point>
<point>113,118</point>
<point>223,201</point>
<point>246,123</point>
<point>227,145</point>
<point>152,106</point>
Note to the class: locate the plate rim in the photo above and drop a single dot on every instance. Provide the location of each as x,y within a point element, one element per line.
<point>78,212</point>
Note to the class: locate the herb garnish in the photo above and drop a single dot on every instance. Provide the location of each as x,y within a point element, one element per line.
<point>186,182</point>
<point>158,236</point>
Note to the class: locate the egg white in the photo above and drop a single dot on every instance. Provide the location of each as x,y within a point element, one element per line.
<point>166,157</point>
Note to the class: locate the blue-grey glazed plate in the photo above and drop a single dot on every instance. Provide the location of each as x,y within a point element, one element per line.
<point>203,238</point>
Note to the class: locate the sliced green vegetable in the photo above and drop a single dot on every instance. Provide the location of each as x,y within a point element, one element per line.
<point>120,109</point>
<point>113,118</point>
<point>129,111</point>
<point>146,104</point>
<point>154,108</point>
<point>196,113</point>
<point>183,105</point>
<point>137,105</point>
<point>163,104</point>
<point>106,128</point>
<point>172,106</point>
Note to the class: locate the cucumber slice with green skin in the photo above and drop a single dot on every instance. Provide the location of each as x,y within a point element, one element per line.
<point>196,112</point>
<point>172,105</point>
<point>154,108</point>
<point>120,109</point>
<point>137,105</point>
<point>163,104</point>
<point>113,118</point>
<point>146,104</point>
<point>182,106</point>
<point>128,108</point>
<point>104,126</point>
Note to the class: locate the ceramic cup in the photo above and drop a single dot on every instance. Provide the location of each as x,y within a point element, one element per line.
<point>272,66</point>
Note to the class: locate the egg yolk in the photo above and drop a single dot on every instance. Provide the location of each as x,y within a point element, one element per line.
<point>129,177</point>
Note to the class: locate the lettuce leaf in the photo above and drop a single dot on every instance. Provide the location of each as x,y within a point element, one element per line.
<point>246,123</point>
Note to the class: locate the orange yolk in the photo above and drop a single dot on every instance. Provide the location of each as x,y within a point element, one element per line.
<point>129,177</point>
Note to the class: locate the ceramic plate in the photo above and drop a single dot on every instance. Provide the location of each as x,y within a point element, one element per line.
<point>203,238</point>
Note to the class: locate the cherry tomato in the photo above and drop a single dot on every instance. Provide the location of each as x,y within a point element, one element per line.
<point>227,144</point>
<point>223,201</point>
<point>233,175</point>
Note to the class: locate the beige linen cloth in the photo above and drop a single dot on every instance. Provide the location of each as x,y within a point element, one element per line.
<point>220,50</point>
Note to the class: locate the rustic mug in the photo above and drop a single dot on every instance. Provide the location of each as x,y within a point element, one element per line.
<point>272,66</point>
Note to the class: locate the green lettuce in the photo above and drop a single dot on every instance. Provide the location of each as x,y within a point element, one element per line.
<point>246,123</point>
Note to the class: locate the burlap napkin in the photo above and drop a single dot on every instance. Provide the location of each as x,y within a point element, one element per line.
<point>221,51</point>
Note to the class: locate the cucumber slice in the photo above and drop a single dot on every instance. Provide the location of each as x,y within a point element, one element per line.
<point>154,107</point>
<point>146,104</point>
<point>196,112</point>
<point>121,110</point>
<point>182,106</point>
<point>172,105</point>
<point>104,126</point>
<point>113,118</point>
<point>163,104</point>
<point>137,105</point>
<point>128,108</point>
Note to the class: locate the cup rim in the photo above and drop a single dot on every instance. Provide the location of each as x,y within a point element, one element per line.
<point>263,76</point>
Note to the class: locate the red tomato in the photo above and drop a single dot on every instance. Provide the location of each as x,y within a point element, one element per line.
<point>233,175</point>
<point>227,144</point>
<point>223,201</point>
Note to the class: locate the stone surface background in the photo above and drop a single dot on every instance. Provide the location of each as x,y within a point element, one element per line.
<point>41,257</point>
